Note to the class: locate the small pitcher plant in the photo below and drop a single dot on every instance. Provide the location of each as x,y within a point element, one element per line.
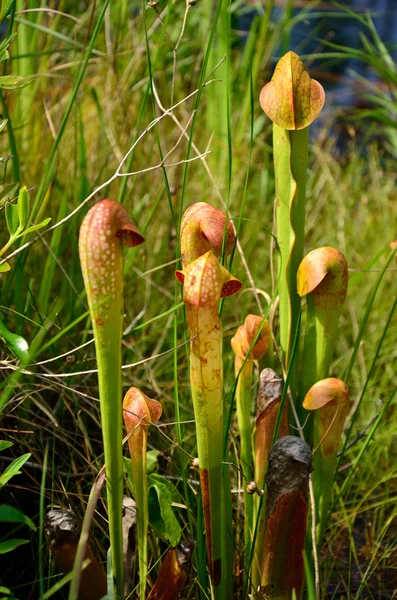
<point>138,412</point>
<point>106,225</point>
<point>252,341</point>
<point>323,279</point>
<point>329,399</point>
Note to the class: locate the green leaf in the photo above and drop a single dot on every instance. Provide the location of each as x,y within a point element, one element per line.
<point>17,344</point>
<point>13,469</point>
<point>7,190</point>
<point>9,595</point>
<point>7,40</point>
<point>128,471</point>
<point>151,460</point>
<point>23,206</point>
<point>161,514</point>
<point>9,514</point>
<point>12,217</point>
<point>4,267</point>
<point>4,445</point>
<point>3,123</point>
<point>10,545</point>
<point>12,82</point>
<point>35,227</point>
<point>4,10</point>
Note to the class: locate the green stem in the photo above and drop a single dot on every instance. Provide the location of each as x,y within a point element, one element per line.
<point>109,380</point>
<point>138,444</point>
<point>243,411</point>
<point>290,164</point>
<point>320,334</point>
<point>323,485</point>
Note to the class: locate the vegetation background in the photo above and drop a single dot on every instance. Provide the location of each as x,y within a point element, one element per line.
<point>101,78</point>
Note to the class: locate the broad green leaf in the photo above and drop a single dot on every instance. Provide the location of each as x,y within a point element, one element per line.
<point>4,267</point>
<point>292,99</point>
<point>161,514</point>
<point>13,469</point>
<point>35,227</point>
<point>23,206</point>
<point>10,545</point>
<point>12,82</point>
<point>17,344</point>
<point>4,445</point>
<point>8,594</point>
<point>156,478</point>
<point>12,217</point>
<point>9,514</point>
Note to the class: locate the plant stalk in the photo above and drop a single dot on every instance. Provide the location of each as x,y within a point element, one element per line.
<point>104,226</point>
<point>205,283</point>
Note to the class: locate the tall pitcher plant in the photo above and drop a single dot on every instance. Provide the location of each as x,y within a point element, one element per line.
<point>292,100</point>
<point>205,282</point>
<point>106,226</point>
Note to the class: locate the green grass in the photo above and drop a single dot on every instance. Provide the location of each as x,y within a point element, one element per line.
<point>93,95</point>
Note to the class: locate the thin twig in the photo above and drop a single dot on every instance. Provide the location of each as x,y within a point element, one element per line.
<point>79,373</point>
<point>48,11</point>
<point>153,123</point>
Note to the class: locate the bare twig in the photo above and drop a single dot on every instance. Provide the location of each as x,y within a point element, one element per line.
<point>49,11</point>
<point>79,373</point>
<point>153,123</point>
